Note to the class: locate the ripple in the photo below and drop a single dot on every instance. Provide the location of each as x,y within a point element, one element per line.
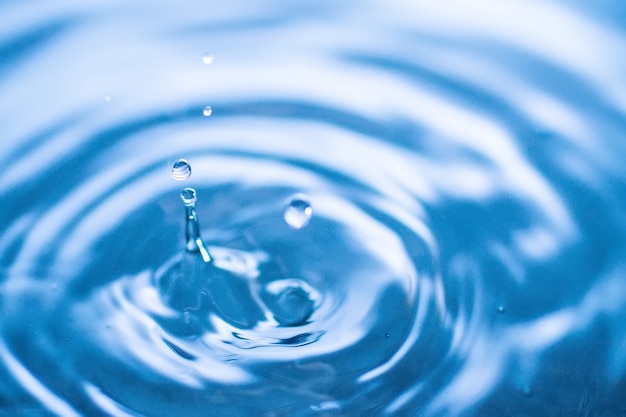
<point>465,174</point>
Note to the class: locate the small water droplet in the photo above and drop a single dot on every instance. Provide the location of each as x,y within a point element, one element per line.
<point>207,58</point>
<point>107,98</point>
<point>501,309</point>
<point>387,335</point>
<point>298,211</point>
<point>207,111</point>
<point>189,197</point>
<point>108,325</point>
<point>181,170</point>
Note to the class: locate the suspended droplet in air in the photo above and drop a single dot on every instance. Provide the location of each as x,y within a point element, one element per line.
<point>207,111</point>
<point>181,170</point>
<point>298,211</point>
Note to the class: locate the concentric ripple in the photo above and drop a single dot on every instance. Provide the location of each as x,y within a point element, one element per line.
<point>452,244</point>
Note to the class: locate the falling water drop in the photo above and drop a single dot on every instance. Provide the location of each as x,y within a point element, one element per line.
<point>298,211</point>
<point>207,58</point>
<point>207,111</point>
<point>181,170</point>
<point>192,226</point>
<point>501,309</point>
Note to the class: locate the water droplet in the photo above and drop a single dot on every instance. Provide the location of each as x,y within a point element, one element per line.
<point>207,111</point>
<point>181,170</point>
<point>189,197</point>
<point>207,58</point>
<point>387,335</point>
<point>298,211</point>
<point>107,98</point>
<point>501,309</point>
<point>108,325</point>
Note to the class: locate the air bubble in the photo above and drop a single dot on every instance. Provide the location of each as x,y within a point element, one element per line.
<point>207,111</point>
<point>207,58</point>
<point>181,170</point>
<point>188,195</point>
<point>298,211</point>
<point>501,309</point>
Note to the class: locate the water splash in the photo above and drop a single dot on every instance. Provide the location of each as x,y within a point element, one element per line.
<point>291,301</point>
<point>457,160</point>
<point>192,226</point>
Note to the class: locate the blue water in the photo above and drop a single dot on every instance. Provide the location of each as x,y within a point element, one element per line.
<point>463,162</point>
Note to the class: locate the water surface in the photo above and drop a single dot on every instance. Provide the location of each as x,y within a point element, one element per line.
<point>411,209</point>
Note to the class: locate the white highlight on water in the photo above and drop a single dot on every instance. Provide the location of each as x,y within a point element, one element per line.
<point>207,58</point>
<point>207,111</point>
<point>181,170</point>
<point>298,211</point>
